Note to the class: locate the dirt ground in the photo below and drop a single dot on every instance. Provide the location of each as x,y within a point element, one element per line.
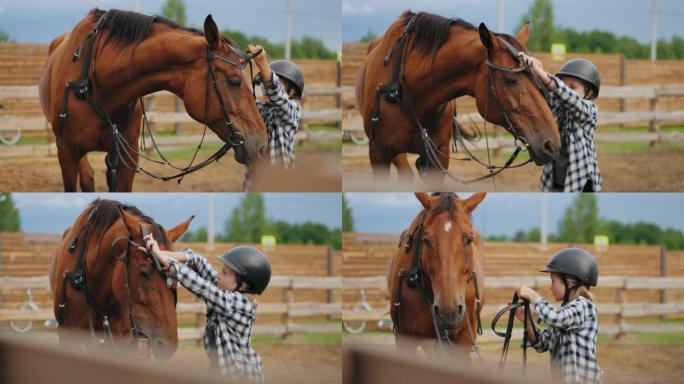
<point>655,170</point>
<point>622,361</point>
<point>283,361</point>
<point>317,170</point>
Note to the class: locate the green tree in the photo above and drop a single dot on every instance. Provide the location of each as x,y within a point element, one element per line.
<point>200,235</point>
<point>247,222</point>
<point>542,30</point>
<point>175,10</point>
<point>347,217</point>
<point>368,37</point>
<point>9,215</point>
<point>5,38</point>
<point>581,222</point>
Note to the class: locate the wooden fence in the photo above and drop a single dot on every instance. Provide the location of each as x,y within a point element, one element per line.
<point>633,92</point>
<point>636,282</point>
<point>306,284</point>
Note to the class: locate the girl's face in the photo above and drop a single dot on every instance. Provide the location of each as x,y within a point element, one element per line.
<point>557,287</point>
<point>575,84</point>
<point>227,279</point>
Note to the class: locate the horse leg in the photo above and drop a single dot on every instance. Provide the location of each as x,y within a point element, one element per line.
<point>69,165</point>
<point>380,162</point>
<point>128,158</point>
<point>403,168</point>
<point>406,345</point>
<point>86,177</point>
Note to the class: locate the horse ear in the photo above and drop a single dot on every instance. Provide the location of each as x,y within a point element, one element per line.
<point>488,39</point>
<point>424,199</point>
<point>211,32</point>
<point>131,222</point>
<point>176,232</point>
<point>473,201</point>
<point>524,33</point>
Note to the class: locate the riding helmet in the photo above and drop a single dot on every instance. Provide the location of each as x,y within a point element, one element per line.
<point>250,265</point>
<point>575,262</point>
<point>290,71</point>
<point>584,70</point>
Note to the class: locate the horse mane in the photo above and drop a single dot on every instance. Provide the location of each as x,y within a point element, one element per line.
<point>431,31</point>
<point>106,212</point>
<point>446,203</point>
<point>129,28</point>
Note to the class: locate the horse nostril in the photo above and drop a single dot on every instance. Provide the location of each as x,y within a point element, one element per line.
<point>549,148</point>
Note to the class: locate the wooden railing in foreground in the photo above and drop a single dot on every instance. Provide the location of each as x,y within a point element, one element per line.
<point>622,309</point>
<point>289,310</point>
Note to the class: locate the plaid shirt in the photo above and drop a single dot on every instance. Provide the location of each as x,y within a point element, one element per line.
<point>230,316</point>
<point>281,117</point>
<point>576,119</point>
<point>571,340</point>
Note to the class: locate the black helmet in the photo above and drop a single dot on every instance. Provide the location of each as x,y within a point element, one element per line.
<point>575,262</point>
<point>582,69</point>
<point>251,265</point>
<point>290,71</point>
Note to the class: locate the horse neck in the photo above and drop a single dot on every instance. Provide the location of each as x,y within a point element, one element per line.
<point>452,74</point>
<point>160,62</point>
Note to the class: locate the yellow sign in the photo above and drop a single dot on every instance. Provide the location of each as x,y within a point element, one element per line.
<point>558,52</point>
<point>601,241</point>
<point>268,243</point>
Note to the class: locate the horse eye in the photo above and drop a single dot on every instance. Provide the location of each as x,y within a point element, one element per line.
<point>427,242</point>
<point>510,80</point>
<point>144,272</point>
<point>469,239</point>
<point>234,83</point>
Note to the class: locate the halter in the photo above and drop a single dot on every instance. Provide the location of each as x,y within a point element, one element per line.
<point>392,92</point>
<point>79,282</point>
<point>122,151</point>
<point>416,279</point>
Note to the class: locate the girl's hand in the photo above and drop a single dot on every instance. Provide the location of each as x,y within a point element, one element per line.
<point>152,247</point>
<point>261,61</point>
<point>536,67</point>
<point>519,313</point>
<point>528,294</point>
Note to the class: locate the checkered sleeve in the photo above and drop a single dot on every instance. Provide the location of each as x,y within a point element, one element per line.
<point>200,265</point>
<point>220,301</point>
<point>544,338</point>
<point>568,317</point>
<point>286,109</point>
<point>581,109</point>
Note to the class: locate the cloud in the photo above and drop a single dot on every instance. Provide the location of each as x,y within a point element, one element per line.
<point>356,9</point>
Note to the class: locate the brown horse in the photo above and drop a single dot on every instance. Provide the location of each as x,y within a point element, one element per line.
<point>436,278</point>
<point>102,282</point>
<point>133,55</point>
<point>444,59</point>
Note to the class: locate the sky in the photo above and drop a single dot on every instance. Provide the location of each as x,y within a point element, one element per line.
<point>506,213</point>
<point>40,21</point>
<point>54,212</point>
<point>622,17</point>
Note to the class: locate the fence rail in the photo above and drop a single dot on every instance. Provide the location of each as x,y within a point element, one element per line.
<point>622,310</point>
<point>288,309</point>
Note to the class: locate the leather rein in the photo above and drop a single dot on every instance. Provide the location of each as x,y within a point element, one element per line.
<point>122,151</point>
<point>392,93</point>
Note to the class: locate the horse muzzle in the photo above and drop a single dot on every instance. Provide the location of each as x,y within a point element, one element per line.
<point>449,319</point>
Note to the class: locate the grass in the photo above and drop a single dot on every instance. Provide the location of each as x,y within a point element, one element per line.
<point>323,128</point>
<point>302,338</point>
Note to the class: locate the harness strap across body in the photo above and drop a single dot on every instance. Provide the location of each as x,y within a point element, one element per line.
<point>122,151</point>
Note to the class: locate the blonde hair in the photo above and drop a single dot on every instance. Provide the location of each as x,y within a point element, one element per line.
<point>582,290</point>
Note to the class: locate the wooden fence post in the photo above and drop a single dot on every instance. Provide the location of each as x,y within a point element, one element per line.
<point>663,273</point>
<point>620,318</point>
<point>288,298</point>
<point>653,125</point>
<point>623,81</point>
<point>331,272</point>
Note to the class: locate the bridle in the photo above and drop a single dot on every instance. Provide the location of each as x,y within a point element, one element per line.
<point>123,152</point>
<point>416,278</point>
<point>528,320</point>
<point>79,282</point>
<point>392,92</point>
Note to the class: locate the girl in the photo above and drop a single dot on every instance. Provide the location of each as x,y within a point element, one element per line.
<point>572,328</point>
<point>230,313</point>
<point>283,85</point>
<point>571,91</point>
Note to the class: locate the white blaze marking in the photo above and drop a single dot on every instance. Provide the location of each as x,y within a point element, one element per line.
<point>447,226</point>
